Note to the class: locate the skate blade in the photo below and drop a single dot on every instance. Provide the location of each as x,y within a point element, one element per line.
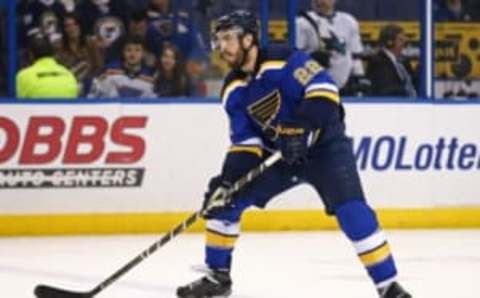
<point>226,295</point>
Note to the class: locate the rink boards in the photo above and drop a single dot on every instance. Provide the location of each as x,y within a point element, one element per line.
<point>141,167</point>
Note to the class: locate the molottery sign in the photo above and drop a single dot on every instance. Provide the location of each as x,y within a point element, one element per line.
<point>387,152</point>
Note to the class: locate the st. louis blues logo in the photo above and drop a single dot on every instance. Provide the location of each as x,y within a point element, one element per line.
<point>264,111</point>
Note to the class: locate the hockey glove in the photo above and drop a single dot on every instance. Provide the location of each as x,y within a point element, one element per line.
<point>217,197</point>
<point>293,142</point>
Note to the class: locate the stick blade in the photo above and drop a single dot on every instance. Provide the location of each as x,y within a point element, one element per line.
<point>42,291</point>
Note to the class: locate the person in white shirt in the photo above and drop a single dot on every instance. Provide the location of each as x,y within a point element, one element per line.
<point>333,37</point>
<point>128,77</point>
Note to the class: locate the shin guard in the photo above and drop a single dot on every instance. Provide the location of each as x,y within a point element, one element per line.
<point>359,222</point>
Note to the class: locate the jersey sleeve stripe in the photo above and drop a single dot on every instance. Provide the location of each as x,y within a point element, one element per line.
<point>271,65</point>
<point>332,96</point>
<point>230,88</point>
<point>249,149</point>
<point>322,86</point>
<point>254,141</point>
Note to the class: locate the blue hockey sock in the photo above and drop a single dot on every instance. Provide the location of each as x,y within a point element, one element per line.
<point>220,241</point>
<point>218,258</point>
<point>359,222</point>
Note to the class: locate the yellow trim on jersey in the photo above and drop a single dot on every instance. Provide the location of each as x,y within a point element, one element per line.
<point>217,240</point>
<point>271,65</point>
<point>250,149</point>
<point>375,256</point>
<point>332,96</point>
<point>231,87</point>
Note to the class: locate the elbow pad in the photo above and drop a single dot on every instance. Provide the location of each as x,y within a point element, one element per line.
<point>319,112</point>
<point>240,160</point>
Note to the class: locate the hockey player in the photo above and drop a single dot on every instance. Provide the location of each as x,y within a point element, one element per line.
<point>287,103</point>
<point>128,77</point>
<point>333,37</point>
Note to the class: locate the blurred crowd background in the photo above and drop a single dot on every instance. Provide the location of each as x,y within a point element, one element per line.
<point>163,46</point>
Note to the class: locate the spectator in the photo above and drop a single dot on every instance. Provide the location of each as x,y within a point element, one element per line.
<point>387,71</point>
<point>171,78</point>
<point>69,5</point>
<point>451,11</point>
<point>128,77</point>
<point>79,53</point>
<point>177,28</point>
<point>45,78</point>
<point>105,19</point>
<point>474,9</point>
<point>38,18</point>
<point>333,38</point>
<point>137,4</point>
<point>138,26</point>
<point>215,9</point>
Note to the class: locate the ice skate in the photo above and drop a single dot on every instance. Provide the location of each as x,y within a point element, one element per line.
<point>394,291</point>
<point>215,284</point>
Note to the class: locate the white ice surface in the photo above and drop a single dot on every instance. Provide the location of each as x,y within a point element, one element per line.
<point>432,264</point>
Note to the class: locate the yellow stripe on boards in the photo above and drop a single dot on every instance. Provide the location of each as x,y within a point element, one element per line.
<point>88,224</point>
<point>269,220</point>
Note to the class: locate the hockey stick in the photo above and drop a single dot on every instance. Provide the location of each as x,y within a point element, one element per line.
<point>44,291</point>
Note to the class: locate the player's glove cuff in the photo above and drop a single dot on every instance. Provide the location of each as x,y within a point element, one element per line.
<point>293,141</point>
<point>217,198</point>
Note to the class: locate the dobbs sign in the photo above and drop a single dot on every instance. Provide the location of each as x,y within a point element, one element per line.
<point>50,151</point>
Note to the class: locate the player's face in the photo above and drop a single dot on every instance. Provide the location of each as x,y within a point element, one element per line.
<point>227,43</point>
<point>133,54</point>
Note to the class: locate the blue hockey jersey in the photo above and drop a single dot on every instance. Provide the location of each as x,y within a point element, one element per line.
<point>275,92</point>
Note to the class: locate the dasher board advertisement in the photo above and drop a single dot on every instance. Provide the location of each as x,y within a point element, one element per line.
<point>99,157</point>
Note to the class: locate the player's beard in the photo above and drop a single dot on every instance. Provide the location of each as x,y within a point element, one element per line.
<point>239,60</point>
